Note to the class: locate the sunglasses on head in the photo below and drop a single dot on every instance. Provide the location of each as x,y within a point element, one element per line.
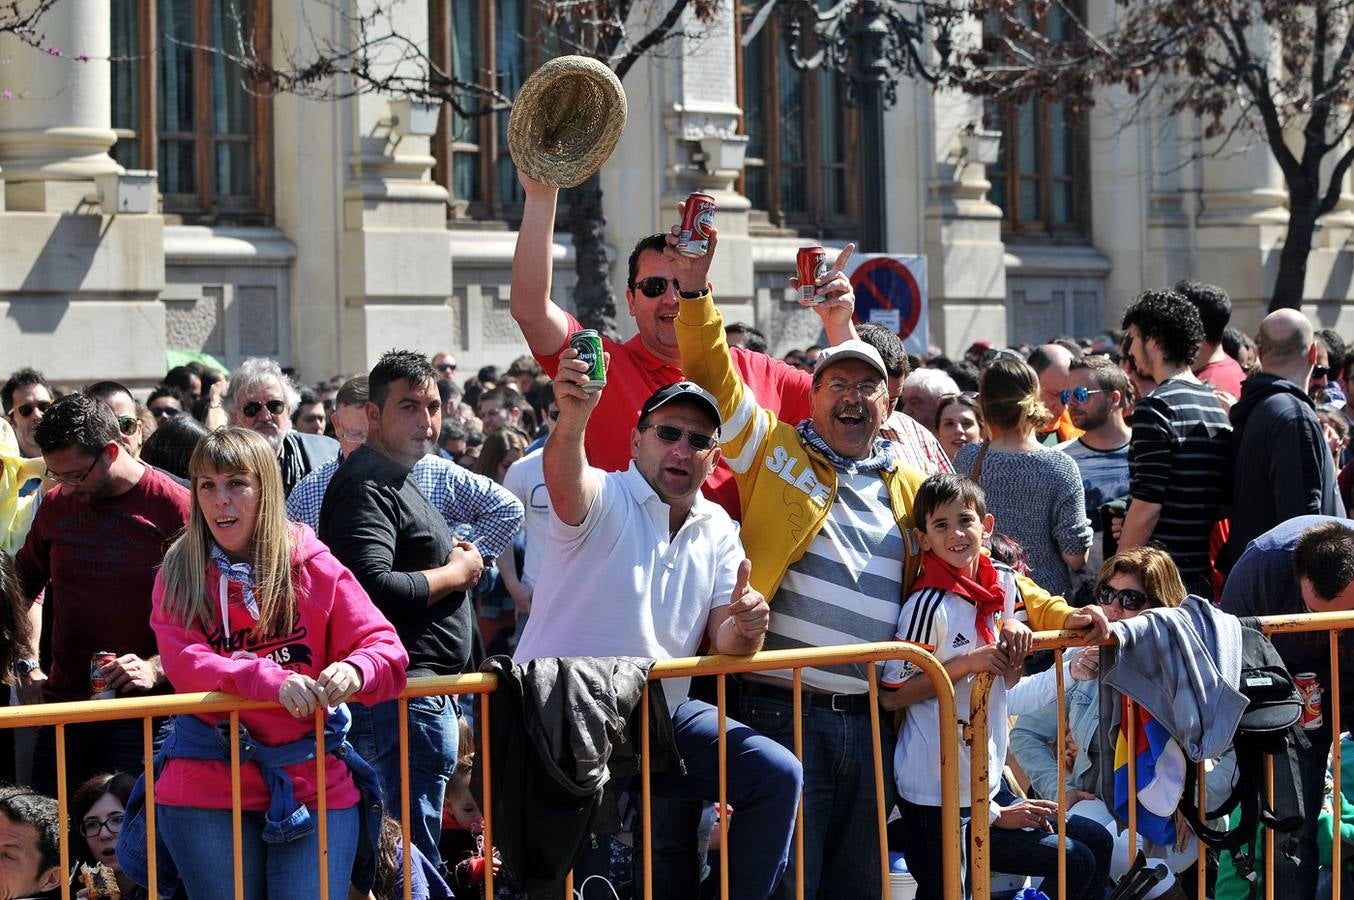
<point>26,409</point>
<point>1128,599</point>
<point>251,409</point>
<point>128,424</point>
<point>1080,393</point>
<point>671,434</point>
<point>655,286</point>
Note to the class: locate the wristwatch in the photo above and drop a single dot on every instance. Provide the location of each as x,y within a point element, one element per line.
<point>692,295</point>
<point>26,667</point>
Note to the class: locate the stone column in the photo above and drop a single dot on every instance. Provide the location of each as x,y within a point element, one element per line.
<point>57,128</point>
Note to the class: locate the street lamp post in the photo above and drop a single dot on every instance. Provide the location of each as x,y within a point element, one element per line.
<point>871,42</point>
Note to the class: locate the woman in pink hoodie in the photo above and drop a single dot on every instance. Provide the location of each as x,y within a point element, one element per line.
<point>251,604</point>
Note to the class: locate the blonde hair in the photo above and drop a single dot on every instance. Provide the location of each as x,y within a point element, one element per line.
<point>186,597</point>
<point>1010,396</point>
<point>1154,568</point>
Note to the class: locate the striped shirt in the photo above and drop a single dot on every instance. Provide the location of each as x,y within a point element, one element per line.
<point>914,445</point>
<point>847,587</point>
<point>475,508</point>
<point>1178,458</point>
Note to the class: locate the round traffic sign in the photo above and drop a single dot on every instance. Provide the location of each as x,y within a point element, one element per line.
<point>884,283</point>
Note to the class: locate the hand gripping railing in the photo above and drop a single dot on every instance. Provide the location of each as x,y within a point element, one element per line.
<point>146,708</point>
<point>976,735</point>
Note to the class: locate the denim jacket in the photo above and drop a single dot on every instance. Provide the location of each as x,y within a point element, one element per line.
<point>286,820</point>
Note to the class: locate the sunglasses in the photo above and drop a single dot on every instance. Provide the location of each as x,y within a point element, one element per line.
<point>655,286</point>
<point>671,434</point>
<point>554,415</point>
<point>1081,394</point>
<point>1322,371</point>
<point>1128,599</point>
<point>446,367</point>
<point>128,425</point>
<point>25,410</point>
<point>251,409</point>
<point>165,412</point>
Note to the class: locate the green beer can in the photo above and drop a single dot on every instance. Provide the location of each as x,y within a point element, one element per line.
<point>588,343</point>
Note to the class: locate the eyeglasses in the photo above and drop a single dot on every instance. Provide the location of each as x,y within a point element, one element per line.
<point>655,286</point>
<point>165,412</point>
<point>67,479</point>
<point>1129,600</point>
<point>554,415</point>
<point>1080,393</point>
<point>26,409</point>
<point>868,389</point>
<point>446,367</point>
<point>1322,371</point>
<point>251,409</point>
<point>91,827</point>
<point>128,424</point>
<point>671,434</point>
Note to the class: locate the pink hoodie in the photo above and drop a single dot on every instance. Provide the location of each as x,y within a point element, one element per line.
<point>337,621</point>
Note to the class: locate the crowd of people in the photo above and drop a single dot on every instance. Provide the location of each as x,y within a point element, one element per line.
<point>317,547</point>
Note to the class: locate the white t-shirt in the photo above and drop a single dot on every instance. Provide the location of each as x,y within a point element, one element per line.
<point>526,481</point>
<point>616,585</point>
<point>946,624</point>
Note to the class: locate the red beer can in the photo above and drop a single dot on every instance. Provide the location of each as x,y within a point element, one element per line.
<point>98,682</point>
<point>1309,689</point>
<point>811,263</point>
<point>698,217</point>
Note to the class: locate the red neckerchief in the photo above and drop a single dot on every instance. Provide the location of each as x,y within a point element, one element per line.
<point>985,591</point>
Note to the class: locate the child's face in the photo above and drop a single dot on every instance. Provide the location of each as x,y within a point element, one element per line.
<point>463,807</point>
<point>956,533</point>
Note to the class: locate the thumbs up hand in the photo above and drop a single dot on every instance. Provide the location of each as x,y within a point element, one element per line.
<point>747,607</point>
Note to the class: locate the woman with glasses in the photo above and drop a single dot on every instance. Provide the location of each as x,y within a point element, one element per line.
<point>1130,583</point>
<point>96,820</point>
<point>959,421</point>
<point>1034,492</point>
<point>251,604</point>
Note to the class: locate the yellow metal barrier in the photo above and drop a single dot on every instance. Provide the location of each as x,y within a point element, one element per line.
<point>976,731</point>
<point>147,708</point>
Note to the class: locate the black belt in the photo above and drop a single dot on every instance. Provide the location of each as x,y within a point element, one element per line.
<point>852,704</point>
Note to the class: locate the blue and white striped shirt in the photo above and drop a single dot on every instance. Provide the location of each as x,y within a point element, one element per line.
<point>475,508</point>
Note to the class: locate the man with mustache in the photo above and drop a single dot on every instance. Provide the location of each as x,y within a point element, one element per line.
<point>261,397</point>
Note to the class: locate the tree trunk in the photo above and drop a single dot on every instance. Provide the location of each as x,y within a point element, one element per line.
<point>594,303</point>
<point>1297,245</point>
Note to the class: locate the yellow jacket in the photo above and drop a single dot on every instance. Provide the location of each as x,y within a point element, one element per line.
<point>785,488</point>
<point>16,513</point>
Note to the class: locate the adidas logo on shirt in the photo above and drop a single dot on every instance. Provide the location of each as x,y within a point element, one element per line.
<point>959,641</point>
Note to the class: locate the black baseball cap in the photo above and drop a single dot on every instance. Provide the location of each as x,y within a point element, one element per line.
<point>682,390</point>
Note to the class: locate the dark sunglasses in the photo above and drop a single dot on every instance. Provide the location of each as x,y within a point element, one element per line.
<point>1322,371</point>
<point>251,409</point>
<point>1080,393</point>
<point>1129,600</point>
<point>25,410</point>
<point>165,412</point>
<point>655,286</point>
<point>671,434</point>
<point>554,415</point>
<point>446,367</point>
<point>128,424</point>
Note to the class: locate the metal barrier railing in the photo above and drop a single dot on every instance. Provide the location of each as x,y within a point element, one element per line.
<point>62,714</point>
<point>977,729</point>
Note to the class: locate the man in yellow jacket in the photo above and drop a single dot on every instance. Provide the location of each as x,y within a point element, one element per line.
<point>827,524</point>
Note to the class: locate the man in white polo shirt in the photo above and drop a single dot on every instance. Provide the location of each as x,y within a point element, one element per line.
<point>641,564</point>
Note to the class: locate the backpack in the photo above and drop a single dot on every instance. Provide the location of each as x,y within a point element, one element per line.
<point>1268,728</point>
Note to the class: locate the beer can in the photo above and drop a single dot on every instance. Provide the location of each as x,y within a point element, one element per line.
<point>811,263</point>
<point>98,682</point>
<point>698,217</point>
<point>1309,689</point>
<point>588,343</point>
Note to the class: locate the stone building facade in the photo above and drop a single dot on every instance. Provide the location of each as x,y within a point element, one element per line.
<point>321,232</point>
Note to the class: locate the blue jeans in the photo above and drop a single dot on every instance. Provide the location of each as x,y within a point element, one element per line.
<point>1014,851</point>
<point>200,842</point>
<point>763,789</point>
<point>433,736</point>
<point>841,832</point>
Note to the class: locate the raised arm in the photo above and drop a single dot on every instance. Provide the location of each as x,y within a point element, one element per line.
<point>571,482</point>
<point>543,323</point>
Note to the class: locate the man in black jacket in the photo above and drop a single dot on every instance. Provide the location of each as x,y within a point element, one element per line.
<point>1281,464</point>
<point>380,526</point>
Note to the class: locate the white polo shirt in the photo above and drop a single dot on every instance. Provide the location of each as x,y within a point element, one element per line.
<point>526,481</point>
<point>616,585</point>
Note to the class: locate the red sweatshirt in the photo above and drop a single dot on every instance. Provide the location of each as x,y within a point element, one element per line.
<point>337,621</point>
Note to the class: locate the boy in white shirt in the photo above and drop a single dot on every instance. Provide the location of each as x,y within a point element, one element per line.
<point>965,609</point>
